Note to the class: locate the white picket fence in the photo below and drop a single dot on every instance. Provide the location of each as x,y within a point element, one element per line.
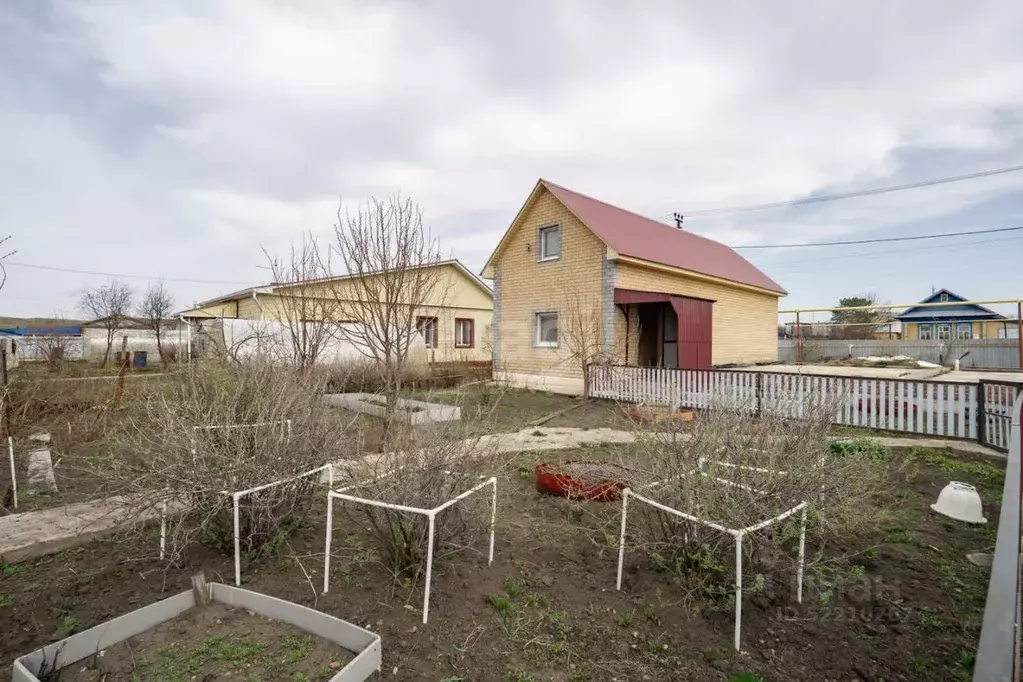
<point>945,409</point>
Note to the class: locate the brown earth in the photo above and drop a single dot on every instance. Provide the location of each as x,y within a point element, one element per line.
<point>547,609</point>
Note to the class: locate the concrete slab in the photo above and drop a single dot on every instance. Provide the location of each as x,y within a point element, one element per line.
<point>32,534</point>
<point>408,410</point>
<point>856,372</point>
<point>40,472</point>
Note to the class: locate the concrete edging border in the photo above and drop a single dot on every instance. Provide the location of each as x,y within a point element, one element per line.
<point>365,644</point>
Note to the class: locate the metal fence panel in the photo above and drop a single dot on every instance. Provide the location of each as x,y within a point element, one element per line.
<point>983,353</point>
<point>999,633</point>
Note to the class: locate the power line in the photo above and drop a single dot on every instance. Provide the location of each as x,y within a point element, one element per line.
<point>881,240</point>
<point>122,274</point>
<point>893,252</point>
<point>849,195</point>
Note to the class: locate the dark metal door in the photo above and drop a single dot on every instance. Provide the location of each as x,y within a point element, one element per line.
<point>994,412</point>
<point>695,326</point>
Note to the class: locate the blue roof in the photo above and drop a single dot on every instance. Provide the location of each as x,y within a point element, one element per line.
<point>967,311</point>
<point>54,330</point>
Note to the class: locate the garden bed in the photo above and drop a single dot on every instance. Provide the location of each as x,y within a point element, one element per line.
<point>215,642</point>
<point>905,606</point>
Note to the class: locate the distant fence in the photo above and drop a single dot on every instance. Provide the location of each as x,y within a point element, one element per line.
<point>984,353</point>
<point>939,408</point>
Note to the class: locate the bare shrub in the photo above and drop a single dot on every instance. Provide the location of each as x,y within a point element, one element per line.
<point>308,320</point>
<point>158,456</point>
<point>360,375</point>
<point>425,469</point>
<point>736,469</point>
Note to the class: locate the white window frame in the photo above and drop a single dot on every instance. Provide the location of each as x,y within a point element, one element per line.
<point>429,323</point>
<point>541,245</point>
<point>537,341</point>
<point>944,327</point>
<point>929,328</point>
<point>468,324</point>
<point>944,298</point>
<point>961,327</point>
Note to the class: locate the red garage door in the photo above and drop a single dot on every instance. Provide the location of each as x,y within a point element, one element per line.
<point>695,324</point>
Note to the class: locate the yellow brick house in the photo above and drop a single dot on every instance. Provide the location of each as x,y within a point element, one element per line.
<point>454,324</point>
<point>657,295</point>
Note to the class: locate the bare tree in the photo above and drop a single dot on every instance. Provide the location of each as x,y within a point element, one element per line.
<point>390,285</point>
<point>862,322</point>
<point>581,332</point>
<point>109,305</point>
<point>153,311</point>
<point>306,312</point>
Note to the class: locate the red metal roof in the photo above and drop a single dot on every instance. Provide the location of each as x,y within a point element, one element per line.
<point>633,235</point>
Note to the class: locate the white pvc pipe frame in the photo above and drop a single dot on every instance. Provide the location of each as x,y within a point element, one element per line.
<point>235,497</point>
<point>163,505</point>
<point>736,533</point>
<point>14,472</point>
<point>431,514</point>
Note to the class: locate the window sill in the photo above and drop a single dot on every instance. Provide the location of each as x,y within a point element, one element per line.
<point>545,345</point>
<point>464,347</point>
<point>548,259</point>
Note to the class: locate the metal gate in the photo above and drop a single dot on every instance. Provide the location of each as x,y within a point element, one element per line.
<point>994,413</point>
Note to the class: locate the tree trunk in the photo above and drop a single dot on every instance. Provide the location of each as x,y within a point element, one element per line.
<point>159,348</point>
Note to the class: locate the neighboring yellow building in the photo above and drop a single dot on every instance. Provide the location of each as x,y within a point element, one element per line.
<point>455,324</point>
<point>577,278</point>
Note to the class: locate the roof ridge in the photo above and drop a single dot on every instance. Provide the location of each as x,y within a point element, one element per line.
<point>617,208</point>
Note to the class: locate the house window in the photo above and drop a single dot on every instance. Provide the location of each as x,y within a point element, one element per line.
<point>926,332</point>
<point>964,331</point>
<point>465,332</point>
<point>944,298</point>
<point>427,326</point>
<point>550,242</point>
<point>944,332</point>
<point>546,330</point>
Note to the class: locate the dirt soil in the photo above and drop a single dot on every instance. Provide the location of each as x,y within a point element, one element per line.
<point>215,642</point>
<point>907,606</point>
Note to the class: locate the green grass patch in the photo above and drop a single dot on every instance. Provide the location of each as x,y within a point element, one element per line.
<point>863,447</point>
<point>989,477</point>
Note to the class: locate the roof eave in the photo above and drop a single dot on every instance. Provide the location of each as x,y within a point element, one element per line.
<point>779,292</point>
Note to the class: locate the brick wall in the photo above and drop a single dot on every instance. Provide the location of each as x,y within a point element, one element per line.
<point>745,322</point>
<point>527,287</point>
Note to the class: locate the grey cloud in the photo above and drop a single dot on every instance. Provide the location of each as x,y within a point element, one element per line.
<point>220,126</point>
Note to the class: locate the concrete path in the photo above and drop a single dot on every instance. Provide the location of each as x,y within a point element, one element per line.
<point>36,533</point>
<point>938,443</point>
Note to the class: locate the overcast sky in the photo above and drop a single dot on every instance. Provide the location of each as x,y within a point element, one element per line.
<point>176,139</point>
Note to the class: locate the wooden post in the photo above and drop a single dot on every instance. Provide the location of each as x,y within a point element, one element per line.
<point>981,409</point>
<point>760,391</point>
<point>799,341</point>
<point>6,397</point>
<point>1019,331</point>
